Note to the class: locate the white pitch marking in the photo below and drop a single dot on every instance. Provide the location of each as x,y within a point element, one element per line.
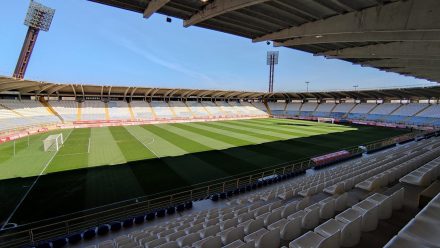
<point>146,145</point>
<point>32,186</point>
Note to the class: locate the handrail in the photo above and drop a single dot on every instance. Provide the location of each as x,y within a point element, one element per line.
<point>35,232</point>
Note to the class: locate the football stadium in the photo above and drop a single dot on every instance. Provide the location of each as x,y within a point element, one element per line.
<point>106,165</point>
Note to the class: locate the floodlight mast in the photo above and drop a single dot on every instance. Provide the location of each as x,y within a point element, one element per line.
<point>38,17</point>
<point>272,60</point>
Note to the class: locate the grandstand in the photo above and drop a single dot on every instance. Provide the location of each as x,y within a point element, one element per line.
<point>173,168</point>
<point>295,211</point>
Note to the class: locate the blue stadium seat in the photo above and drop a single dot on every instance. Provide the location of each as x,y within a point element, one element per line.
<point>115,226</point>
<point>89,234</point>
<point>127,223</point>
<point>139,219</point>
<point>74,238</point>
<point>58,243</point>
<point>103,230</point>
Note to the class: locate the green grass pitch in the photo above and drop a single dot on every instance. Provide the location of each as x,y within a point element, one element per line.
<point>98,166</point>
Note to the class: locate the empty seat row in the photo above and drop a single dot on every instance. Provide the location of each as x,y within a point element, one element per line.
<point>346,228</point>
<point>264,219</point>
<point>422,231</point>
<point>424,175</point>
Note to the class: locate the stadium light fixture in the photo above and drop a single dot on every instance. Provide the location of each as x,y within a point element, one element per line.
<point>307,85</point>
<point>38,17</point>
<point>271,61</point>
<point>355,87</point>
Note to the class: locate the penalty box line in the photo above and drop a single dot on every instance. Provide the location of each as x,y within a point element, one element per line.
<point>149,143</point>
<point>32,186</point>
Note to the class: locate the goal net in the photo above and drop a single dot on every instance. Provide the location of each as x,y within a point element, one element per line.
<point>323,119</point>
<point>53,142</point>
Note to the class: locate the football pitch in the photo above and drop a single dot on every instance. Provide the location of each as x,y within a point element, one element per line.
<point>98,166</point>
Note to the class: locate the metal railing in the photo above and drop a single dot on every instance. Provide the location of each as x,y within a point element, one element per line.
<point>60,226</point>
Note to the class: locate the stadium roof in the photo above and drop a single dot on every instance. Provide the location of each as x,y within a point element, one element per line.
<point>391,35</point>
<point>10,85</point>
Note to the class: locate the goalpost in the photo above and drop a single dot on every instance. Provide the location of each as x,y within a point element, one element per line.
<point>325,119</point>
<point>53,142</point>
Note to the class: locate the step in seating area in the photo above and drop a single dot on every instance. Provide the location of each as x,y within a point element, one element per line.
<point>26,113</point>
<point>377,172</point>
<point>290,214</point>
<point>142,110</point>
<point>421,114</point>
<point>345,229</point>
<point>118,110</point>
<point>422,231</point>
<point>424,175</point>
<point>180,109</point>
<point>260,106</point>
<point>66,109</point>
<point>10,120</point>
<point>197,109</point>
<point>162,110</point>
<point>93,111</point>
<point>277,108</point>
<point>31,109</point>
<point>213,109</point>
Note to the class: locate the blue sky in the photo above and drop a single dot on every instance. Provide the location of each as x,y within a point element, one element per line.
<point>96,44</point>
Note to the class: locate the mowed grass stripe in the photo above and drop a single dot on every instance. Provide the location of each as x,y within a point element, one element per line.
<point>189,167</point>
<point>240,136</point>
<point>295,132</point>
<point>28,160</point>
<point>184,143</point>
<point>303,125</point>
<point>232,141</point>
<point>249,128</point>
<point>301,133</point>
<point>73,154</point>
<point>157,144</point>
<point>213,143</point>
<point>286,151</point>
<point>294,127</point>
<point>103,148</point>
<point>294,143</point>
<point>242,153</point>
<point>131,148</point>
<point>242,131</point>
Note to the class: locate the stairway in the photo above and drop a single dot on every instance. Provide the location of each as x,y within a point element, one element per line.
<point>107,114</point>
<point>131,111</point>
<point>50,109</point>
<point>79,111</point>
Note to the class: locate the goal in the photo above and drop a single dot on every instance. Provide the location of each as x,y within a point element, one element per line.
<point>324,119</point>
<point>53,142</point>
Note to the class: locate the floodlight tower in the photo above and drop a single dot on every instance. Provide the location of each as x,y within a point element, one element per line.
<point>38,17</point>
<point>272,60</point>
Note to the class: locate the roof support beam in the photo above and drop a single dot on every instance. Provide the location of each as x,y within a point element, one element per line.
<point>342,5</point>
<point>36,88</point>
<point>132,93</point>
<point>154,6</point>
<point>393,63</point>
<point>376,36</point>
<point>404,50</point>
<point>109,92</point>
<point>125,92</point>
<point>16,85</point>
<point>84,94</point>
<point>148,92</point>
<point>398,16</point>
<point>54,89</point>
<point>73,89</point>
<point>219,7</point>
